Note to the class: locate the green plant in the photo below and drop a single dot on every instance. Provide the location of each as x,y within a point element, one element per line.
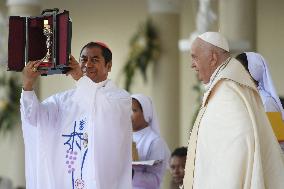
<point>144,50</point>
<point>10,92</point>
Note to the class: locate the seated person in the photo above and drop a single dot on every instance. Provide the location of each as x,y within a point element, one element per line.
<point>149,143</point>
<point>256,65</point>
<point>177,165</point>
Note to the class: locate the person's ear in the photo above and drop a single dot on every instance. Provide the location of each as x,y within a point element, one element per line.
<point>109,65</point>
<point>214,59</point>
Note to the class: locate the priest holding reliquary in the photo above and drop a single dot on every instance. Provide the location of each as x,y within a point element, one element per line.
<point>80,138</point>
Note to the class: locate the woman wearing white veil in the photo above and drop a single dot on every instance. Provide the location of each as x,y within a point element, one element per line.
<point>259,71</point>
<point>149,143</point>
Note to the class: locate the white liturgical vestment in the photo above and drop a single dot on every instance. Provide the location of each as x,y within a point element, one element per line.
<point>78,139</point>
<point>232,145</point>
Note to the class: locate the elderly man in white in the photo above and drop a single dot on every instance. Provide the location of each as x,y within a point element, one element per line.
<point>232,145</point>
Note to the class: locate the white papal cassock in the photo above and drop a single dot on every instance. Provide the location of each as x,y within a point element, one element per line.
<point>232,145</point>
<point>78,139</point>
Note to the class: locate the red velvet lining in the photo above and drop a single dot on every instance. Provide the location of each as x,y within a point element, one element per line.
<point>62,37</point>
<point>37,40</point>
<point>16,43</point>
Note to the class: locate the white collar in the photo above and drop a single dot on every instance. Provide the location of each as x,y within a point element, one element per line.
<point>215,74</point>
<point>139,134</point>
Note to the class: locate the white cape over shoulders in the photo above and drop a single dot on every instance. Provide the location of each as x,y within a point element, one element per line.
<point>236,147</point>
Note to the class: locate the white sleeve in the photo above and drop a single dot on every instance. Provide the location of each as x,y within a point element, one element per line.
<point>112,143</point>
<point>33,112</point>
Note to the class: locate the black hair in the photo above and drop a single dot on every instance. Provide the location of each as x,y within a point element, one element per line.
<point>105,51</point>
<point>140,106</point>
<point>242,58</point>
<point>180,152</point>
<point>282,101</point>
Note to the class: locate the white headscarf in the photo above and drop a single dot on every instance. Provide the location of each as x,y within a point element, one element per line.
<point>258,69</point>
<point>149,112</point>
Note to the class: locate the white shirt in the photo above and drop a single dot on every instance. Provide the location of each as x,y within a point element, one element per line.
<point>150,146</point>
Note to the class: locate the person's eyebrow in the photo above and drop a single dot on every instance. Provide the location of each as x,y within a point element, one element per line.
<point>96,56</point>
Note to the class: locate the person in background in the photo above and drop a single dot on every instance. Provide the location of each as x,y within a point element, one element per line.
<point>177,165</point>
<point>258,68</point>
<point>150,145</point>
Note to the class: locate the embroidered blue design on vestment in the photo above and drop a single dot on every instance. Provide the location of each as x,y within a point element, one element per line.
<point>77,144</point>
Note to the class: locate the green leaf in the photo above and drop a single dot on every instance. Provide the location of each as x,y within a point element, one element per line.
<point>144,50</point>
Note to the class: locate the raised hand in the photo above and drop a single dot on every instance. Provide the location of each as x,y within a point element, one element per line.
<point>30,74</point>
<point>75,71</point>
